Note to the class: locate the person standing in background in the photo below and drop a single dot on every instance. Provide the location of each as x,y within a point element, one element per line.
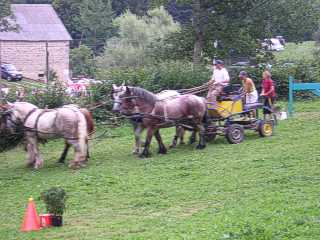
<point>249,88</point>
<point>268,92</point>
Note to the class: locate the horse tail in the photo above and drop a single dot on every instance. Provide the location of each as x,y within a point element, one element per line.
<point>85,128</point>
<point>89,119</point>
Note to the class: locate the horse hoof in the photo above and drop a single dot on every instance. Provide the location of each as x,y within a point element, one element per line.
<point>82,164</point>
<point>162,151</point>
<point>144,155</point>
<point>172,146</point>
<point>30,165</point>
<point>37,166</point>
<point>200,147</point>
<point>74,166</point>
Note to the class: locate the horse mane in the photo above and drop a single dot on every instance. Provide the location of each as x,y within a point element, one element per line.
<point>90,123</point>
<point>144,94</point>
<point>4,107</point>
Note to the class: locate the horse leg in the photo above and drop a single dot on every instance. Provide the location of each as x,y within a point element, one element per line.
<point>193,137</point>
<point>137,136</point>
<point>35,148</point>
<point>65,152</point>
<point>145,152</point>
<point>31,155</point>
<point>34,158</point>
<point>181,135</point>
<point>80,154</point>
<point>75,163</point>
<point>202,134</point>
<point>39,160</point>
<point>175,138</point>
<point>162,148</point>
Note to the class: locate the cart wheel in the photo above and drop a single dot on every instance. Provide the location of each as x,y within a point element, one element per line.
<point>265,128</point>
<point>235,134</point>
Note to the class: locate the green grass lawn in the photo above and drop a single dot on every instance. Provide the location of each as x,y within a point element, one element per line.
<point>264,188</point>
<point>26,83</point>
<point>296,52</point>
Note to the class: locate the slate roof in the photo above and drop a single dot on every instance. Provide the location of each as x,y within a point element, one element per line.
<point>37,22</point>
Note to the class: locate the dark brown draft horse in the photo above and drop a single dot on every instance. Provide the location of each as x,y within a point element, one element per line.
<point>186,109</point>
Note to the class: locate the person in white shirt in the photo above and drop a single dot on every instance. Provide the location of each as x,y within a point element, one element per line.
<point>220,79</point>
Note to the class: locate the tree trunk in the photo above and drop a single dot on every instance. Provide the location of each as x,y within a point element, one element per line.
<point>198,45</point>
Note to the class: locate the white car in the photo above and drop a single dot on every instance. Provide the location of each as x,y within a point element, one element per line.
<point>272,44</point>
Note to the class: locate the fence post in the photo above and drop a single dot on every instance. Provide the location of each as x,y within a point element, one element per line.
<point>290,103</point>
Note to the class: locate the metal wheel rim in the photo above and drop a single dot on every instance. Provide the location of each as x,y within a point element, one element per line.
<point>267,128</point>
<point>236,134</point>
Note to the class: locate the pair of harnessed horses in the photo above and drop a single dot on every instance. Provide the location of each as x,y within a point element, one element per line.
<point>155,111</point>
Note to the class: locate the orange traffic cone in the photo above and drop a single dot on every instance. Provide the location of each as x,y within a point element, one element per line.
<point>31,219</point>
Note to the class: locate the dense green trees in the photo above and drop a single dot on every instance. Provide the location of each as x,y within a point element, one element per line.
<point>237,24</point>
<point>82,61</point>
<point>96,22</point>
<point>128,33</point>
<point>5,23</point>
<point>69,12</point>
<point>137,38</point>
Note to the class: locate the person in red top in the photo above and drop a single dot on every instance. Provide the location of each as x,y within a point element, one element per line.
<point>268,92</point>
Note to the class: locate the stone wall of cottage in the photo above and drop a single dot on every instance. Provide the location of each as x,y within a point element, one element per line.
<point>30,58</point>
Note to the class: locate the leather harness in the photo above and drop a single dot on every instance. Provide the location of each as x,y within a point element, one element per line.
<point>43,111</point>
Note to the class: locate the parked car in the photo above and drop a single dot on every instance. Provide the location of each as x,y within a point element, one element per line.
<point>242,63</point>
<point>282,40</point>
<point>272,44</point>
<point>9,72</point>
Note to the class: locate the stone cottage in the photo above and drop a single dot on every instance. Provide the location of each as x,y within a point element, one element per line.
<point>42,40</point>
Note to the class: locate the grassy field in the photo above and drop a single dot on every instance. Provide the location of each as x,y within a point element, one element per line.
<point>297,52</point>
<point>26,83</point>
<point>259,190</point>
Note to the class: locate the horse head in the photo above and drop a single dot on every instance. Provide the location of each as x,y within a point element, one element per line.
<point>5,116</point>
<point>117,92</point>
<point>16,113</point>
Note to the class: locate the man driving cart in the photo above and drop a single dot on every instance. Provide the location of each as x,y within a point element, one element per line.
<point>220,79</point>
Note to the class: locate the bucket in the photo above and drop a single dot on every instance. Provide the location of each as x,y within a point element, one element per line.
<point>45,220</point>
<point>283,116</point>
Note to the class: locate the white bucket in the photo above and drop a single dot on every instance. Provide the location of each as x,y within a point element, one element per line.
<point>283,116</point>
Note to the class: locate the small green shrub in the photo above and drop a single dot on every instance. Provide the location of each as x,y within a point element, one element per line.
<point>176,75</point>
<point>8,139</point>
<point>82,61</point>
<point>52,97</point>
<point>55,200</point>
<point>158,77</point>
